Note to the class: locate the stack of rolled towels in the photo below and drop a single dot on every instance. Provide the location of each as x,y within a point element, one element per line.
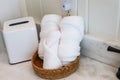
<point>60,40</point>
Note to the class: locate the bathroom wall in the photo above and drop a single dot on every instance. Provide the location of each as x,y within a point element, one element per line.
<point>82,7</point>
<point>51,7</point>
<point>9,9</point>
<point>38,8</point>
<point>119,22</point>
<point>102,17</point>
<point>102,27</point>
<point>33,8</point>
<point>23,8</point>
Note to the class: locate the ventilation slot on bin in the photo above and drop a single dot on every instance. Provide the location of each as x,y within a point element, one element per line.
<point>18,23</point>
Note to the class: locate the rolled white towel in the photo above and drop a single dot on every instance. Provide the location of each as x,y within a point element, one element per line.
<point>75,21</point>
<point>49,23</point>
<point>51,17</point>
<point>70,24</point>
<point>52,40</point>
<point>72,31</point>
<point>49,26</point>
<point>69,42</point>
<point>51,59</point>
<point>68,50</point>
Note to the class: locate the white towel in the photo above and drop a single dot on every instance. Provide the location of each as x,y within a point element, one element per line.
<point>53,39</point>
<point>68,50</point>
<point>49,26</point>
<point>49,23</point>
<point>72,25</point>
<point>72,31</point>
<point>50,46</point>
<point>75,21</point>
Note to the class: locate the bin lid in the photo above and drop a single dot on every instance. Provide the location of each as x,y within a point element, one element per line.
<point>17,24</point>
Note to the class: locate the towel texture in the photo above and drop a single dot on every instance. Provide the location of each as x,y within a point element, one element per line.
<point>50,46</point>
<point>49,24</point>
<point>72,31</point>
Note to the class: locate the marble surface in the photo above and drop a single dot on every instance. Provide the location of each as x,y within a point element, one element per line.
<point>96,48</point>
<point>89,69</point>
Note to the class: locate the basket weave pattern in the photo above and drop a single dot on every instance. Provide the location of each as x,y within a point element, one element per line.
<point>61,72</point>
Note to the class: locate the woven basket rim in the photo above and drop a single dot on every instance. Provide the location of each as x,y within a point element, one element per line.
<point>70,68</point>
<point>51,69</point>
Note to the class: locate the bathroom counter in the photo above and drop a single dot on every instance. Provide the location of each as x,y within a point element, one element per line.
<point>89,70</point>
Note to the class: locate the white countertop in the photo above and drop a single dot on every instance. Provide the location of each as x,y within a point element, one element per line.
<point>89,70</point>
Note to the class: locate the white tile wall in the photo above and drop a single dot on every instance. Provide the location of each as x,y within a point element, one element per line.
<point>38,8</point>
<point>9,10</point>
<point>103,17</point>
<point>33,8</point>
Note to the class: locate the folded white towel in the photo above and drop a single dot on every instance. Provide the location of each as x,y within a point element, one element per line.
<point>53,39</point>
<point>72,26</point>
<point>49,24</point>
<point>51,59</point>
<point>75,21</point>
<point>68,50</point>
<point>51,17</point>
<point>50,21</point>
<point>72,31</point>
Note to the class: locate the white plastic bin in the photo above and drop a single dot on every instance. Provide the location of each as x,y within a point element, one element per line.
<point>20,36</point>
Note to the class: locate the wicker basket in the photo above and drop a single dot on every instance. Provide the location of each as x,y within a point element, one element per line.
<point>61,72</point>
